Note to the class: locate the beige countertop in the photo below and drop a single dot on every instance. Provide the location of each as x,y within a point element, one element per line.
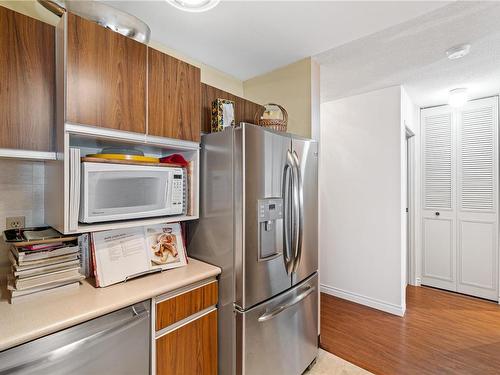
<point>28,320</point>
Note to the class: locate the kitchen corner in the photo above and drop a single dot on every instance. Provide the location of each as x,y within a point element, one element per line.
<point>33,319</point>
<point>129,183</point>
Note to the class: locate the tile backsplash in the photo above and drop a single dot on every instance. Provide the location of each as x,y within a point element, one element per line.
<point>21,194</point>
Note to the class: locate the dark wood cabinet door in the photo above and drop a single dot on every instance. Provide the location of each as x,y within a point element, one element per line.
<point>173,97</point>
<point>27,82</point>
<point>190,349</point>
<point>106,77</point>
<point>186,304</point>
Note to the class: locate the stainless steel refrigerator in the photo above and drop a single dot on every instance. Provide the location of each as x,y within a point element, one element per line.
<point>258,222</point>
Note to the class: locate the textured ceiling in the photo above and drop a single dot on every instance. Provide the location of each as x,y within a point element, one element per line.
<point>413,54</point>
<point>248,38</point>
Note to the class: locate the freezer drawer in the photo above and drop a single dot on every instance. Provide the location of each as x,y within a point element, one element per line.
<point>280,336</point>
<point>117,343</point>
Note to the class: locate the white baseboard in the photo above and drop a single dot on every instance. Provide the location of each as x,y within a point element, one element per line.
<point>363,300</point>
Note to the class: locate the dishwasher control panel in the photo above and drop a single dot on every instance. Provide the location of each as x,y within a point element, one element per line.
<point>270,227</point>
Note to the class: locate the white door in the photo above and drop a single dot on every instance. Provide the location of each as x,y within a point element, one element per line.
<point>459,195</point>
<point>438,199</point>
<point>477,246</point>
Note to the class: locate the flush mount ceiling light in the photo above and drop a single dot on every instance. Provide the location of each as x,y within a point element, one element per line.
<point>458,97</point>
<point>458,52</point>
<point>194,5</point>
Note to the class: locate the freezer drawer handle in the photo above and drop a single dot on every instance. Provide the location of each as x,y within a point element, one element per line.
<point>269,315</point>
<point>65,350</point>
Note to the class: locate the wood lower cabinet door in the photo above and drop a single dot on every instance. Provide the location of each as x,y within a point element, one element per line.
<point>185,304</point>
<point>27,82</point>
<point>190,349</point>
<point>106,77</point>
<point>174,107</point>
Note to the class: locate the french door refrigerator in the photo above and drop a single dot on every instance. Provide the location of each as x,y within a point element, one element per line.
<point>258,222</point>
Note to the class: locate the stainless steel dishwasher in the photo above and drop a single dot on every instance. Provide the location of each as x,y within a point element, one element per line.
<point>116,343</point>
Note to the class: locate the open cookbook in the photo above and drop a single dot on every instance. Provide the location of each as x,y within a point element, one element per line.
<point>122,254</point>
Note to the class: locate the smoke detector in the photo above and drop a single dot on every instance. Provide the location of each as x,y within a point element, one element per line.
<point>458,52</point>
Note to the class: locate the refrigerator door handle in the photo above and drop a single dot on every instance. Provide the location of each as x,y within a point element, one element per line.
<point>299,212</point>
<point>270,315</point>
<point>287,218</point>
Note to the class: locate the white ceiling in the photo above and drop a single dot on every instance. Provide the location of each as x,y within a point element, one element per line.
<point>249,38</point>
<point>413,54</point>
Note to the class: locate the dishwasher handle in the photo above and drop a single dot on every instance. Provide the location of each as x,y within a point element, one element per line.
<point>67,349</point>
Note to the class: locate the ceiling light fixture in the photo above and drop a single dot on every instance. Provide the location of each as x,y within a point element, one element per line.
<point>194,5</point>
<point>458,97</point>
<point>458,52</point>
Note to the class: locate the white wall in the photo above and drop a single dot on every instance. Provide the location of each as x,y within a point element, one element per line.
<point>21,192</point>
<point>361,212</point>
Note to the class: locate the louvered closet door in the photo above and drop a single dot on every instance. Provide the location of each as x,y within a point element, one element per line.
<point>477,247</point>
<point>438,198</point>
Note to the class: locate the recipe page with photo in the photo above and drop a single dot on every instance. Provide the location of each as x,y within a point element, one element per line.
<point>120,254</point>
<point>166,246</point>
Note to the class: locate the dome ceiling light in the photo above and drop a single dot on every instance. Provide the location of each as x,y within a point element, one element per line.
<point>194,5</point>
<point>458,52</point>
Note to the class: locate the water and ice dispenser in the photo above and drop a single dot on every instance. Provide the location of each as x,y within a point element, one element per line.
<point>270,217</point>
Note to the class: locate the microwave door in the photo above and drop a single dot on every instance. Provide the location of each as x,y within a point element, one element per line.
<point>127,192</point>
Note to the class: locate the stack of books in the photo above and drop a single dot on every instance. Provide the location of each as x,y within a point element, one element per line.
<point>44,267</point>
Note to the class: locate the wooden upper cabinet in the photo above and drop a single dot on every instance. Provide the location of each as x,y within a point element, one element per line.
<point>174,108</point>
<point>106,77</point>
<point>27,82</point>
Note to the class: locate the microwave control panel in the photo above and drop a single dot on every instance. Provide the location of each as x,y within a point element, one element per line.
<point>177,196</point>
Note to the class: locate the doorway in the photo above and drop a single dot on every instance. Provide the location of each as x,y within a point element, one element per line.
<point>410,180</point>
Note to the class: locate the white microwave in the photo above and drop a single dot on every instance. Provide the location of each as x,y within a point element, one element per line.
<point>122,192</point>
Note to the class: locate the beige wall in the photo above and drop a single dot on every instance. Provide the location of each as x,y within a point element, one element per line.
<point>209,75</point>
<point>293,87</point>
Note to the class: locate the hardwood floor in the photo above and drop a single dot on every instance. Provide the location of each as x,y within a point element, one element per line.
<point>441,333</point>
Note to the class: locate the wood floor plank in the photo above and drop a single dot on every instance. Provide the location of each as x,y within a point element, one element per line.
<point>441,333</point>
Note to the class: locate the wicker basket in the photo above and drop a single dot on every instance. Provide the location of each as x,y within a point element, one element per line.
<point>272,123</point>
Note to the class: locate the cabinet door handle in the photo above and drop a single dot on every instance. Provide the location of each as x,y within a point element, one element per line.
<point>437,213</point>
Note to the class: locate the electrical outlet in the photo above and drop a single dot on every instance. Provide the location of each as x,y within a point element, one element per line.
<point>15,222</point>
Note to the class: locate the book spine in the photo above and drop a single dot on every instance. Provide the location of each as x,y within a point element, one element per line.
<point>93,258</point>
<point>83,244</point>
